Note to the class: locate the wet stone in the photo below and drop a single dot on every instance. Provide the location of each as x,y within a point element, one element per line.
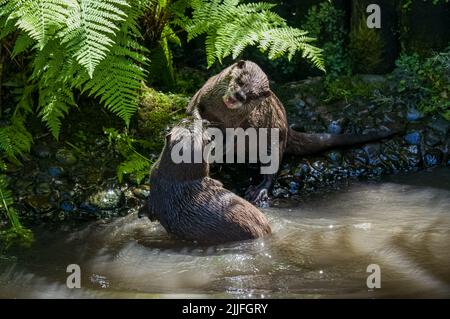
<point>43,189</point>
<point>55,171</point>
<point>67,206</point>
<point>432,139</point>
<point>279,192</point>
<point>441,125</point>
<point>413,115</point>
<point>334,128</point>
<point>293,187</point>
<point>413,138</point>
<point>334,156</point>
<point>432,158</point>
<point>39,203</point>
<point>106,200</point>
<point>413,155</point>
<point>373,153</point>
<point>41,151</point>
<point>65,157</point>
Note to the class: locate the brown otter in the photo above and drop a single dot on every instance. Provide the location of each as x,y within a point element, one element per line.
<point>193,206</point>
<point>240,96</point>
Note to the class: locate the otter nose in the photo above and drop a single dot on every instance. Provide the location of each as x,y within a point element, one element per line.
<point>240,96</point>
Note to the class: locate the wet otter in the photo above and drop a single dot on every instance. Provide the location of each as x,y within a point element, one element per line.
<point>240,96</point>
<point>193,206</point>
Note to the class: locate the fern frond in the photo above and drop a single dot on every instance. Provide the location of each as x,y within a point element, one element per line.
<point>54,104</point>
<point>117,81</point>
<point>231,26</point>
<point>135,165</point>
<point>90,30</point>
<point>41,18</point>
<point>15,140</point>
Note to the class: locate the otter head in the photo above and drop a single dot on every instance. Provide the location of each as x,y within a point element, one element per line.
<point>182,156</point>
<point>247,86</point>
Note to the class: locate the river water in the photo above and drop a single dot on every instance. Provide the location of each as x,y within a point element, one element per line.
<point>320,248</point>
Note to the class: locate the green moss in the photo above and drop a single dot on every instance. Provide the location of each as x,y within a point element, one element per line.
<point>347,87</point>
<point>157,111</point>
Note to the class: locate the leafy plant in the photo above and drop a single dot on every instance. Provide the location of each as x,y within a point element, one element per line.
<point>135,164</point>
<point>86,45</point>
<point>14,141</point>
<point>428,78</point>
<point>325,22</point>
<point>366,47</point>
<point>231,26</point>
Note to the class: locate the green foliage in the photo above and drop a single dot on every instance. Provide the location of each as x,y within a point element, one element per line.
<point>157,112</point>
<point>90,45</point>
<point>325,22</point>
<point>135,164</point>
<point>347,87</point>
<point>231,26</point>
<point>427,78</point>
<point>14,142</point>
<point>366,47</point>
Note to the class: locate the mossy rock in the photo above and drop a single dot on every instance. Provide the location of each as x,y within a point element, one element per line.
<point>157,112</point>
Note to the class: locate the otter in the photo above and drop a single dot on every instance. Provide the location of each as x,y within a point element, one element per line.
<point>192,206</point>
<point>240,97</point>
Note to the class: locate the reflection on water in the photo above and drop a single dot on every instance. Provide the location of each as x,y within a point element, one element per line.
<point>319,249</point>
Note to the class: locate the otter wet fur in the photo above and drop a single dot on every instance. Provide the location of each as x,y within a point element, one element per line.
<point>192,206</point>
<point>240,97</point>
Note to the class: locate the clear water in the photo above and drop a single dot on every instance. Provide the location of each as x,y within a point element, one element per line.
<point>318,249</point>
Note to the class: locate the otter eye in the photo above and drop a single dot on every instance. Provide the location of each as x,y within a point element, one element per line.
<point>239,82</point>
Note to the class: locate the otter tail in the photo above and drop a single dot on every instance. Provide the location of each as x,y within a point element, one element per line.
<point>304,144</point>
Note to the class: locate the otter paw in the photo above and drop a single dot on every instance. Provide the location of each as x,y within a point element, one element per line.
<point>258,196</point>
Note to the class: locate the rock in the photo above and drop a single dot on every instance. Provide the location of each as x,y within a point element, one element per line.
<point>413,156</point>
<point>67,206</point>
<point>413,138</point>
<point>360,156</point>
<point>334,128</point>
<point>39,203</point>
<point>65,157</point>
<point>141,192</point>
<point>88,208</point>
<point>432,139</point>
<point>311,100</point>
<point>107,199</point>
<point>373,152</point>
<point>373,78</point>
<point>413,115</point>
<point>55,171</point>
<point>432,158</point>
<point>43,188</point>
<point>440,124</point>
<point>299,103</point>
<point>319,165</point>
<point>41,151</point>
<point>293,187</point>
<point>334,156</point>
<point>280,192</point>
<point>302,170</point>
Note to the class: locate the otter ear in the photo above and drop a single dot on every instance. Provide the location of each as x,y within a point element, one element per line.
<point>241,64</point>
